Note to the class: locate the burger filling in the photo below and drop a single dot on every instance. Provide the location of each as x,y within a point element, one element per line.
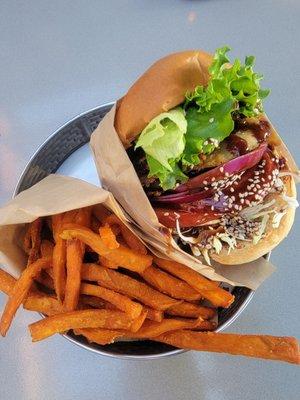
<point>209,166</point>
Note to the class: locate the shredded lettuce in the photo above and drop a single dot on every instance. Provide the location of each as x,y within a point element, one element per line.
<point>174,140</point>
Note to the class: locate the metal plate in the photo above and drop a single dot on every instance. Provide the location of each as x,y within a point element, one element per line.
<point>55,154</point>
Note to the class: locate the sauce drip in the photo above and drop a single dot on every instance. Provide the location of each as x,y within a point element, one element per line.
<point>261,130</point>
<point>236,145</point>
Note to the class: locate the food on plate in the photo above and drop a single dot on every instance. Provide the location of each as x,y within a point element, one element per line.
<point>215,170</point>
<point>79,319</point>
<point>259,346</point>
<point>20,290</point>
<point>88,273</point>
<point>208,289</point>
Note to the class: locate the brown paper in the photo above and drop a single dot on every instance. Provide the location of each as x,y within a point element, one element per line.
<point>117,175</point>
<point>52,195</point>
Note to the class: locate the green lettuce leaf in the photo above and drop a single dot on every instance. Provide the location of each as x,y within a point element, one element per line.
<point>167,178</point>
<point>206,130</point>
<point>163,138</point>
<point>231,89</point>
<point>238,82</point>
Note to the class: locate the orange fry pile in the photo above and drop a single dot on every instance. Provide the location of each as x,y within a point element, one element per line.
<point>88,272</point>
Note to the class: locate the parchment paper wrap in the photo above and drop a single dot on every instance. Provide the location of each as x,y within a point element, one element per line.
<point>117,175</point>
<point>52,195</point>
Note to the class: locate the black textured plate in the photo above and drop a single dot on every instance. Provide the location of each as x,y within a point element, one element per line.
<point>47,159</point>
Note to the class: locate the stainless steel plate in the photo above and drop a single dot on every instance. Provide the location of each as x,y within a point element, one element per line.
<point>57,154</point>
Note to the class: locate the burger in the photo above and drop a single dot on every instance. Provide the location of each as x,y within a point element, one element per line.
<point>213,167</point>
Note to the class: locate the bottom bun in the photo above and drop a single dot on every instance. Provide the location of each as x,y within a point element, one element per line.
<point>247,251</point>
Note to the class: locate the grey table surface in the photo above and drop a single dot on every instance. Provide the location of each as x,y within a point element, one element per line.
<point>60,58</point>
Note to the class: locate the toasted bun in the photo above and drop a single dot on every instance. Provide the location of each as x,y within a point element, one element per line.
<point>246,251</point>
<point>162,87</point>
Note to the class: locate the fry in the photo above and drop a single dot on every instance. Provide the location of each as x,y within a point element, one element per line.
<point>216,295</point>
<point>7,282</point>
<point>69,217</point>
<point>121,302</point>
<point>122,256</point>
<point>124,284</point>
<point>170,285</point>
<point>92,301</point>
<point>34,240</point>
<point>20,290</point>
<point>83,216</point>
<point>108,237</point>
<point>74,262</point>
<point>130,238</point>
<point>138,322</point>
<point>100,212</point>
<point>45,279</point>
<point>258,346</point>
<point>44,304</point>
<point>191,310</point>
<point>35,301</point>
<point>27,240</point>
<point>108,263</point>
<point>59,257</point>
<point>154,315</point>
<point>99,336</point>
<point>47,248</point>
<point>151,329</point>
<point>95,224</point>
<point>56,221</point>
<point>59,272</point>
<point>79,319</point>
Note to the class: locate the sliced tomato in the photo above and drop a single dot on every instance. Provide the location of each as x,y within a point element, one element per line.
<point>186,219</point>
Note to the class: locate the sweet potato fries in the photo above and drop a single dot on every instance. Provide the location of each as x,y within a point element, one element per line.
<point>89,273</point>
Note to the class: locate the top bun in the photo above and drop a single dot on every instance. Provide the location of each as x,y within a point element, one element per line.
<point>162,87</point>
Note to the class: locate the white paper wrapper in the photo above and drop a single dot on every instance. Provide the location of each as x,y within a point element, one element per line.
<point>117,175</point>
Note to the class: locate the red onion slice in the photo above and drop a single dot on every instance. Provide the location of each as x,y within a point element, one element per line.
<point>234,166</point>
<point>184,197</point>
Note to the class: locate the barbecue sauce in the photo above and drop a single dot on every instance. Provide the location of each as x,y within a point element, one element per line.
<point>236,145</point>
<point>261,130</point>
